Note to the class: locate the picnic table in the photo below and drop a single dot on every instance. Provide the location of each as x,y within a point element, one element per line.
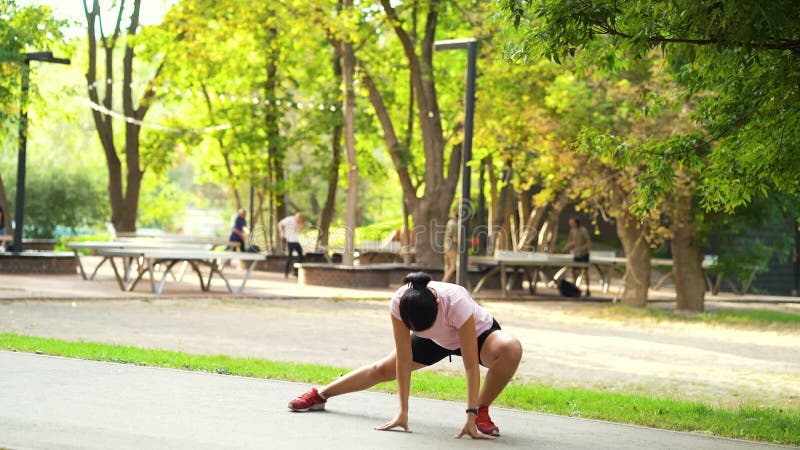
<point>214,261</point>
<point>532,263</point>
<point>96,247</point>
<point>605,262</point>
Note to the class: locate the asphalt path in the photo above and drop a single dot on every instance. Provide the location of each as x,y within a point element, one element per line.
<point>50,402</point>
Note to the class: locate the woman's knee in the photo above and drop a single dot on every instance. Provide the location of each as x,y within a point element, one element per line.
<point>513,349</point>
<point>384,370</point>
<point>505,347</point>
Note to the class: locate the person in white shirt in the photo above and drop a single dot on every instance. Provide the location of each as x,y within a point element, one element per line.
<point>289,227</point>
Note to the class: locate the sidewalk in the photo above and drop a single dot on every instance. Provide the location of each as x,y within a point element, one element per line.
<point>274,285</point>
<point>51,402</point>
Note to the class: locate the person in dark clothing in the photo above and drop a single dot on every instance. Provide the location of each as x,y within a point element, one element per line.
<point>238,232</point>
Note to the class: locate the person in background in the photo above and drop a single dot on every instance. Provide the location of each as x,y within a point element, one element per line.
<point>239,231</point>
<point>450,246</point>
<point>289,229</point>
<point>3,230</point>
<point>581,244</point>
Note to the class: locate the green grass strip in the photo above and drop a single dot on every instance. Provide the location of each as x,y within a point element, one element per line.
<point>752,423</point>
<point>746,318</point>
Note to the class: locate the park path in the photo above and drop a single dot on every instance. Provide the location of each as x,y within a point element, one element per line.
<point>51,402</point>
<point>567,344</point>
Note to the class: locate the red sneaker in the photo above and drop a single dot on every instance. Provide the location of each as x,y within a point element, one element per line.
<point>310,401</point>
<point>484,422</point>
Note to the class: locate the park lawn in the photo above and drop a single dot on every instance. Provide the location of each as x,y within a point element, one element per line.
<point>753,423</point>
<point>747,318</point>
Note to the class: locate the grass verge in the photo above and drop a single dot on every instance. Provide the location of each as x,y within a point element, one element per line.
<point>741,318</point>
<point>753,423</point>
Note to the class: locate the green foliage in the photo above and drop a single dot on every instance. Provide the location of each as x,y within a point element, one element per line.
<point>747,422</point>
<point>22,29</point>
<point>162,202</point>
<point>757,234</point>
<point>60,194</point>
<point>738,60</point>
<point>61,242</point>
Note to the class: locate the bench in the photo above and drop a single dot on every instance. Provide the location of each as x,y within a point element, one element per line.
<point>213,260</point>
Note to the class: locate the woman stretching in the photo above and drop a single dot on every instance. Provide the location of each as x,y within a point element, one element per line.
<point>432,320</point>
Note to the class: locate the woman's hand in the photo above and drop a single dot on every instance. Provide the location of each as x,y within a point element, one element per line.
<point>400,420</point>
<point>472,431</point>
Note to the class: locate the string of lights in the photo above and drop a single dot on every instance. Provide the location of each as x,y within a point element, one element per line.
<point>226,97</point>
<point>117,115</point>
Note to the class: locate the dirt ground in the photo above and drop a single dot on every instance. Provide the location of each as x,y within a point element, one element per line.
<point>567,344</point>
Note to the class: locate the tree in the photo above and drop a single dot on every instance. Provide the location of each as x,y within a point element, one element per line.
<point>348,71</point>
<point>737,63</point>
<point>22,28</point>
<point>438,180</point>
<point>738,59</point>
<point>260,75</point>
<point>123,194</point>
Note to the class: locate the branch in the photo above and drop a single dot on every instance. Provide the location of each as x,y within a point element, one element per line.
<point>118,25</point>
<point>150,92</point>
<point>392,143</point>
<point>101,121</point>
<point>396,24</point>
<point>127,62</point>
<point>777,44</point>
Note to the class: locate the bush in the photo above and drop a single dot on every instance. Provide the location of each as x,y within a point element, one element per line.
<point>66,196</point>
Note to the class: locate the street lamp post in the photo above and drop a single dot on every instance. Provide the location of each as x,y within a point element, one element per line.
<point>471,46</point>
<point>23,139</point>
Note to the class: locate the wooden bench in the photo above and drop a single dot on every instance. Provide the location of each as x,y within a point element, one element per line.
<point>196,259</point>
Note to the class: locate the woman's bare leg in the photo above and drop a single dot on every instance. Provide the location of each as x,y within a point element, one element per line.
<point>501,353</point>
<point>365,377</point>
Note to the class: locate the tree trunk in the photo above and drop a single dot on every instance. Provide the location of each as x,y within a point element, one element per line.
<point>500,237</point>
<point>124,206</point>
<point>4,206</point>
<point>548,238</point>
<point>432,209</point>
<point>637,254</point>
<point>326,217</point>
<point>351,206</point>
<point>535,218</point>
<point>431,213</point>
<point>687,256</point>
<point>275,155</point>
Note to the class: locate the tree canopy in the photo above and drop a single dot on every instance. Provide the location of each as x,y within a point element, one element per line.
<point>738,59</point>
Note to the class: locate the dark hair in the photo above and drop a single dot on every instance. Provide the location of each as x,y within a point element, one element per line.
<point>576,219</point>
<point>418,306</point>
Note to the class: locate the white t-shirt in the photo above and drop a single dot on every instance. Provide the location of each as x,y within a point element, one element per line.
<point>289,226</point>
<point>455,307</point>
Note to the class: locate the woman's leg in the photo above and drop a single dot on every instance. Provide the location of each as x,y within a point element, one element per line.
<point>365,377</point>
<point>501,353</point>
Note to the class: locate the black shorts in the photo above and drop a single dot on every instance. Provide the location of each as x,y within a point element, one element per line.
<point>581,258</point>
<point>427,352</point>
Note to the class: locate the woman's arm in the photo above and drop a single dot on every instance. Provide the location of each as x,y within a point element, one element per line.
<point>469,353</point>
<point>403,365</point>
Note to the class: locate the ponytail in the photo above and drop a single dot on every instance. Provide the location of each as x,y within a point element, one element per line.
<point>418,306</point>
